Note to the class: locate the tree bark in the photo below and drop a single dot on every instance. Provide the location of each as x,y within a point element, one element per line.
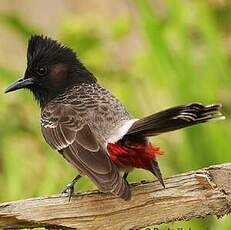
<point>193,194</point>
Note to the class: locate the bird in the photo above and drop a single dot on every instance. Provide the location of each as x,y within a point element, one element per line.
<point>89,127</point>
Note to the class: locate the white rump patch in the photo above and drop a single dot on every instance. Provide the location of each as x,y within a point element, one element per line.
<point>121,131</point>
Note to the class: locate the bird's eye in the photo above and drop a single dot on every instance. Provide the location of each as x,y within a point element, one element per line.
<point>41,70</point>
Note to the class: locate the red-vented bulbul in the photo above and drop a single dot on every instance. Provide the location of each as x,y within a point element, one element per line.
<point>89,126</point>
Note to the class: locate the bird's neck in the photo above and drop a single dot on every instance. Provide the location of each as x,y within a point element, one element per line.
<point>45,94</point>
<point>42,96</point>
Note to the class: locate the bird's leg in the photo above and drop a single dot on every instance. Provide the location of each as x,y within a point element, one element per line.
<point>70,187</point>
<point>125,176</point>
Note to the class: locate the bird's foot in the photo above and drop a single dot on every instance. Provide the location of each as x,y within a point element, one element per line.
<point>69,190</point>
<point>125,177</point>
<point>71,187</point>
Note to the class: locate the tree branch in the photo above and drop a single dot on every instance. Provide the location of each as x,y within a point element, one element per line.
<point>193,194</point>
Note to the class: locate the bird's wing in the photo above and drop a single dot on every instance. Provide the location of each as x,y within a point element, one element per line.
<point>66,130</point>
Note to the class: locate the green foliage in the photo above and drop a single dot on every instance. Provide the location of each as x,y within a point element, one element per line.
<point>16,23</point>
<point>182,59</point>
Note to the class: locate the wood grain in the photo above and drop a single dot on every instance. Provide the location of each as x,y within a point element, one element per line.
<point>192,194</point>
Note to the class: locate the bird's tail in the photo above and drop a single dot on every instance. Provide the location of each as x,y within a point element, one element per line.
<point>175,118</point>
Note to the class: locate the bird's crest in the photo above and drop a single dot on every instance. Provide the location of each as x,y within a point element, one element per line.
<point>42,48</point>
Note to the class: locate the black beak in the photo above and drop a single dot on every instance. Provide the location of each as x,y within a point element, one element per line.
<point>21,83</point>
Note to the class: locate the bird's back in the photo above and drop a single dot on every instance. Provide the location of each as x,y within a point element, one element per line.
<point>93,105</point>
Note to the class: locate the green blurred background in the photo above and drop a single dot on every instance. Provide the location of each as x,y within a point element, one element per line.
<point>150,54</point>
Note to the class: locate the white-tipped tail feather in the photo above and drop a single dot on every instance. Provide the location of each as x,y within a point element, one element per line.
<point>176,118</point>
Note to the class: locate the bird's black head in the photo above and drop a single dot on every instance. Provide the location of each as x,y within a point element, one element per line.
<point>51,68</point>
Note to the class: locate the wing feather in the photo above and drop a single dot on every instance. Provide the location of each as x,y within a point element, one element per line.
<point>71,135</point>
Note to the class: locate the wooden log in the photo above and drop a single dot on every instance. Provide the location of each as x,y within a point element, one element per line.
<point>193,194</point>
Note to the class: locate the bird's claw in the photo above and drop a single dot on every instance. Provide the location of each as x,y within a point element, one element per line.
<point>69,190</point>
